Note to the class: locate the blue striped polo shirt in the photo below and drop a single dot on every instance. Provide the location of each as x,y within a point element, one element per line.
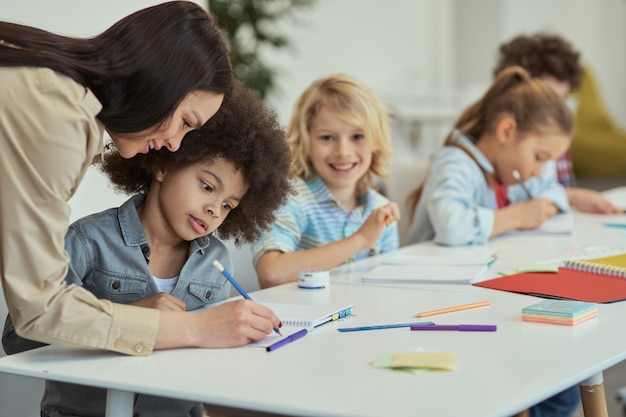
<point>312,217</point>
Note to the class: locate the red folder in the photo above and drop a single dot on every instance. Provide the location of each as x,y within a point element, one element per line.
<point>567,284</point>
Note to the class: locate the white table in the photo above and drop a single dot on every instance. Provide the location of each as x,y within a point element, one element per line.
<point>327,372</point>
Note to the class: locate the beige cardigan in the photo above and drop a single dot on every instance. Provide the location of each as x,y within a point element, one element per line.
<point>49,135</point>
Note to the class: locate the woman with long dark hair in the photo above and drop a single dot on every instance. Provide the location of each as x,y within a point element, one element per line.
<point>147,80</point>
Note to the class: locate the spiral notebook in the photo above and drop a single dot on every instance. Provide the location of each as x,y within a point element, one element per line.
<point>309,316</point>
<point>598,280</point>
<point>296,317</point>
<point>610,265</point>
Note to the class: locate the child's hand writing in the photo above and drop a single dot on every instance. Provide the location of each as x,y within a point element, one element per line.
<point>378,219</point>
<point>235,323</point>
<point>526,215</point>
<point>533,213</point>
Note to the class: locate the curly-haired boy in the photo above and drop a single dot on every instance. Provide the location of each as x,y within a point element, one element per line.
<point>157,249</point>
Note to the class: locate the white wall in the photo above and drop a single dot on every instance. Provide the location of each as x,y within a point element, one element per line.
<point>420,56</point>
<point>433,52</point>
<point>428,59</point>
<point>596,28</point>
<point>388,45</point>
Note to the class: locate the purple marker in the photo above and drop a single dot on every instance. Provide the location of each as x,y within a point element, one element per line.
<point>288,339</point>
<point>458,327</point>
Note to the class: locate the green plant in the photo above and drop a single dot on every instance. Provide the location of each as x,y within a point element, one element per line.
<point>251,25</point>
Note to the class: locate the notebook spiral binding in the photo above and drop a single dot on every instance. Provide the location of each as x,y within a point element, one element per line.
<point>298,323</point>
<point>595,268</point>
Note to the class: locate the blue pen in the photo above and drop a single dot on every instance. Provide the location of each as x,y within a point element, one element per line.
<point>229,277</point>
<point>616,225</point>
<point>384,326</point>
<point>282,342</point>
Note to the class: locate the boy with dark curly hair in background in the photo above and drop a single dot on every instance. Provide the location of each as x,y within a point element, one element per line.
<point>157,249</point>
<point>552,59</point>
<point>545,56</point>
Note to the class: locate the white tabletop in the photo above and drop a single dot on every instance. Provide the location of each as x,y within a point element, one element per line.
<point>328,373</point>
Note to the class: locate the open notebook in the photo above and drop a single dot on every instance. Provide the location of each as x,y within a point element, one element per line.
<point>428,262</point>
<point>615,264</point>
<point>597,280</point>
<point>309,315</point>
<point>617,196</point>
<point>561,224</point>
<point>426,274</point>
<point>407,258</point>
<point>296,317</point>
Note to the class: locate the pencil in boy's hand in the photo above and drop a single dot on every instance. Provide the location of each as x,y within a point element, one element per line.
<point>235,284</point>
<point>519,180</point>
<point>387,220</point>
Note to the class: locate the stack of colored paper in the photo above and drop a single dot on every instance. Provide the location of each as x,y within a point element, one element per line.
<point>563,312</point>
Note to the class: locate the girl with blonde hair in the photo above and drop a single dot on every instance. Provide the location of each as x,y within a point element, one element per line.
<point>340,140</point>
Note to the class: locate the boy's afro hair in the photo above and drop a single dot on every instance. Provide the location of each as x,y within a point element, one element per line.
<point>243,131</point>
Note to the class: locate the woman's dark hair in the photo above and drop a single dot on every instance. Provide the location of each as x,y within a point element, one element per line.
<point>542,54</point>
<point>245,132</point>
<point>140,68</point>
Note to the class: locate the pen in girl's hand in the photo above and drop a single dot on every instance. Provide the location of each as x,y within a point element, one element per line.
<point>519,180</point>
<point>238,287</point>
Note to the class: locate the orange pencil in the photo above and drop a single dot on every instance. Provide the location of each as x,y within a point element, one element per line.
<point>387,220</point>
<point>451,309</point>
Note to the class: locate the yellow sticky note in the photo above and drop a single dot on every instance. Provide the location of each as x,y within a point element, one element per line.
<point>382,362</point>
<point>432,360</point>
<point>508,272</point>
<point>531,268</point>
<point>538,268</point>
<point>385,363</point>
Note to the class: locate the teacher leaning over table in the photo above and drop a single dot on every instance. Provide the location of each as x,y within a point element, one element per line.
<point>147,80</point>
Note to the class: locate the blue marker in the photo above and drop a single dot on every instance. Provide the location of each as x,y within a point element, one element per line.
<point>615,225</point>
<point>238,287</point>
<point>384,326</point>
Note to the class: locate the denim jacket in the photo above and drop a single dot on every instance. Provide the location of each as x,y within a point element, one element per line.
<point>109,256</point>
<point>312,217</point>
